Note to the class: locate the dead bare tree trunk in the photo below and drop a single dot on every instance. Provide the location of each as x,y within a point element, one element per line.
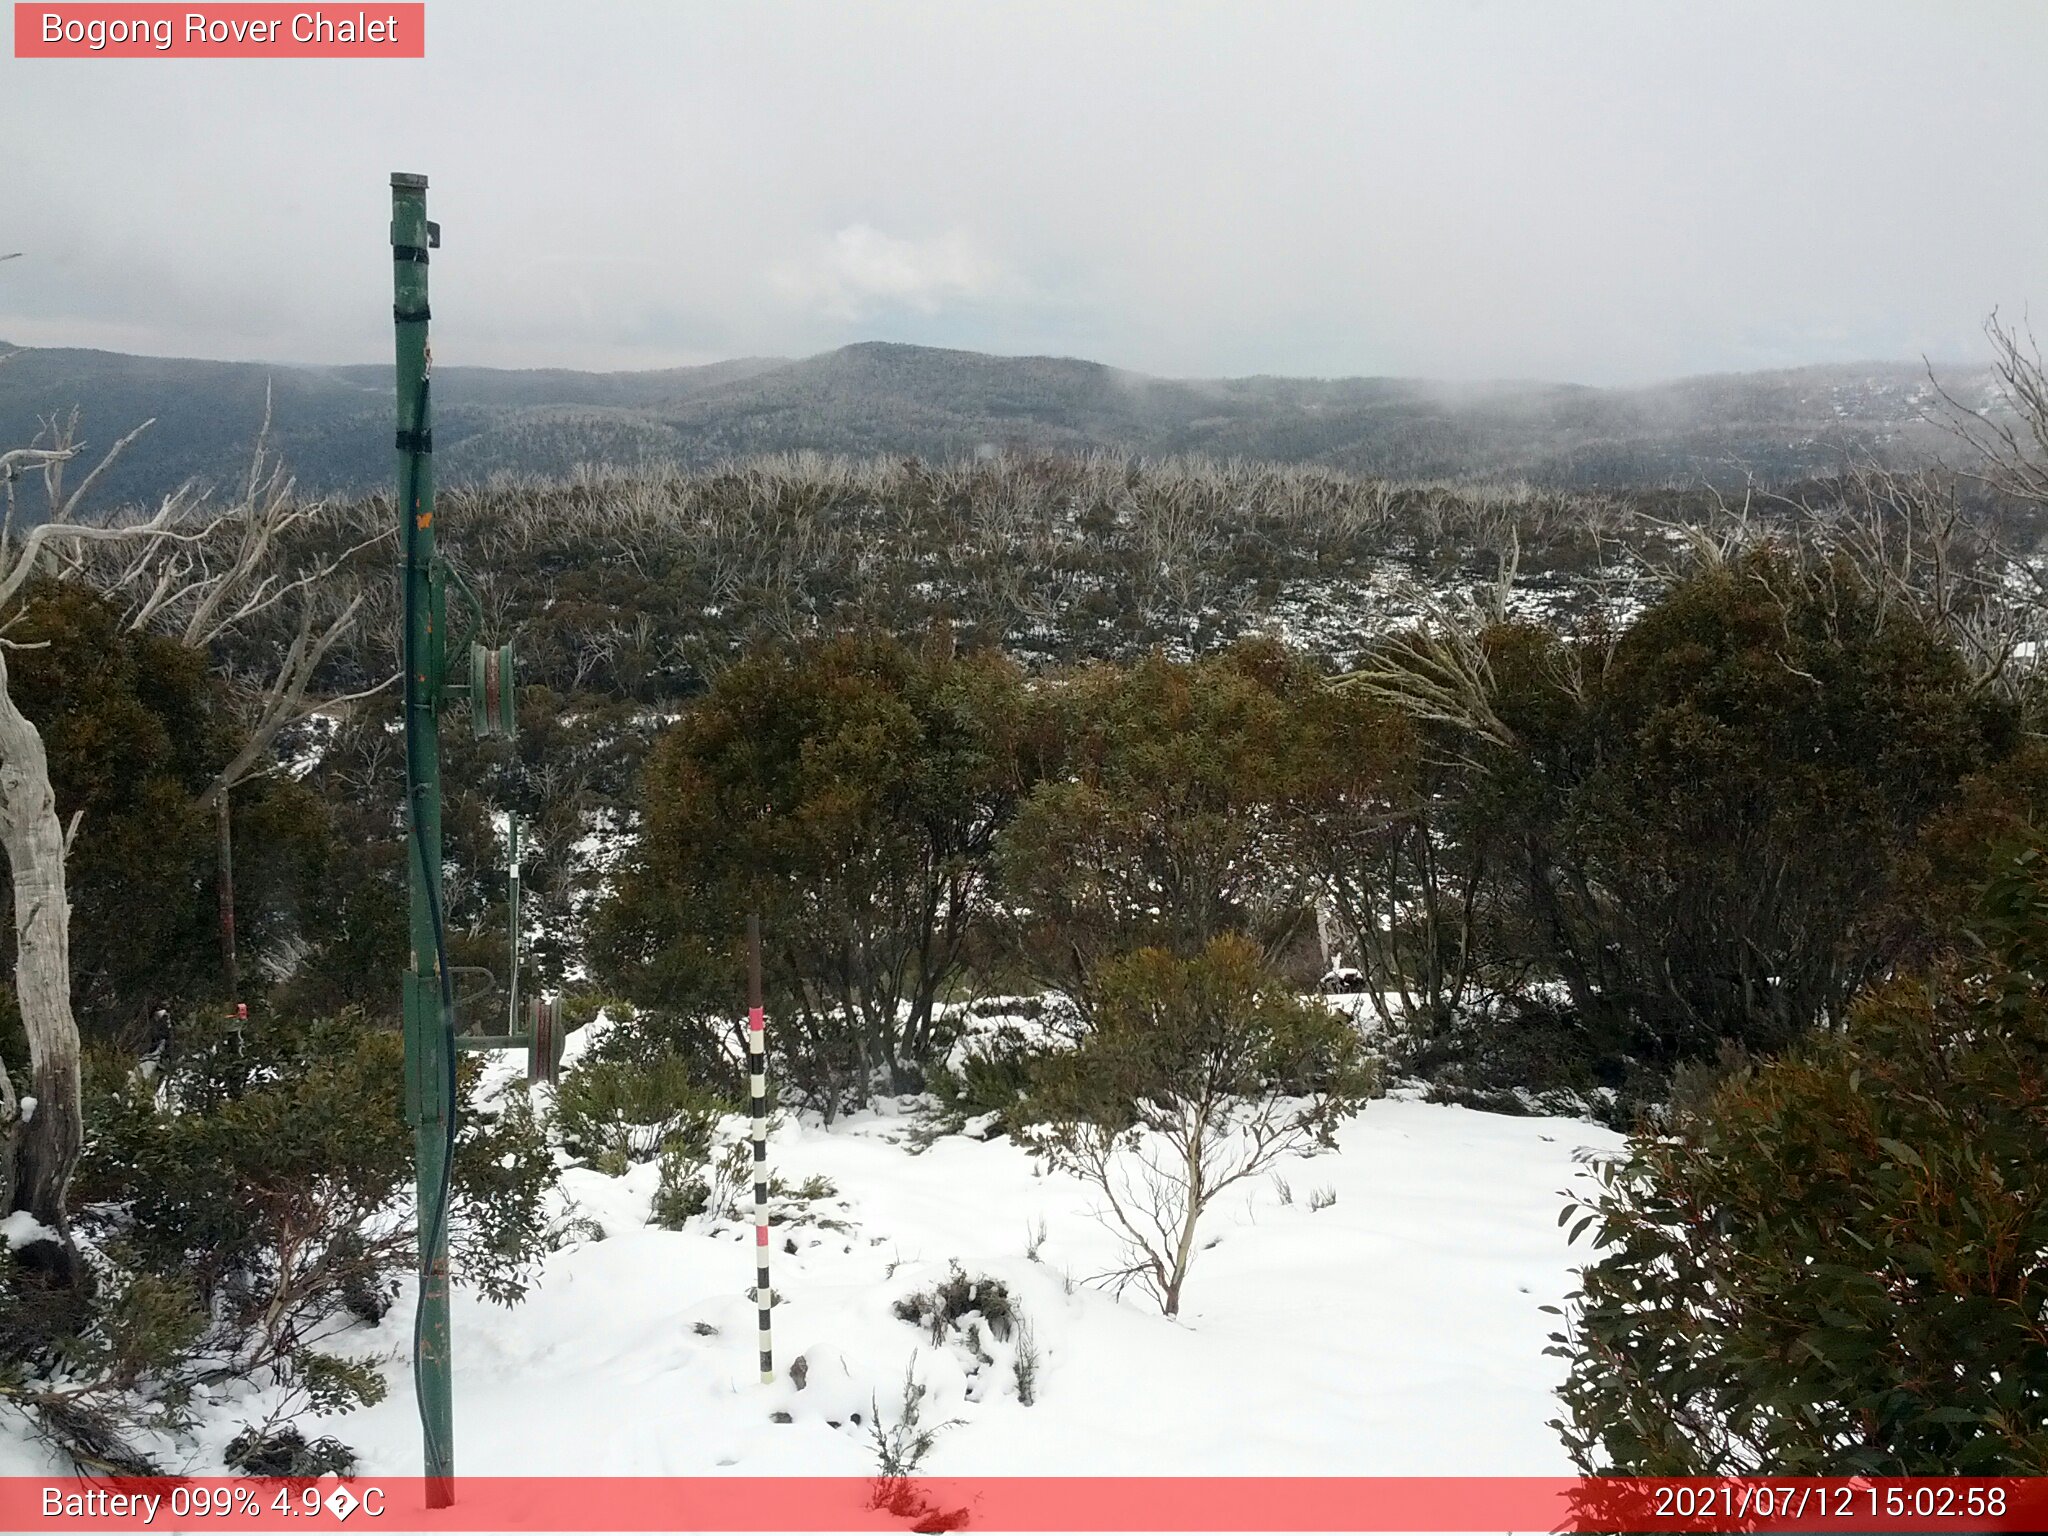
<point>49,1134</point>
<point>10,1137</point>
<point>42,1131</point>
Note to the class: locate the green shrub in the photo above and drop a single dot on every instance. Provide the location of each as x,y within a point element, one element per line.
<point>994,1076</point>
<point>652,1037</point>
<point>1200,1072</point>
<point>75,1366</point>
<point>684,1189</point>
<point>286,1452</point>
<point>1837,1266</point>
<point>616,1113</point>
<point>581,1006</point>
<point>1517,1057</point>
<point>264,1174</point>
<point>1718,827</point>
<point>848,791</point>
<point>1152,825</point>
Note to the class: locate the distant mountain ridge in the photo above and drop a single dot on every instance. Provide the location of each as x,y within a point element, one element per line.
<point>334,424</point>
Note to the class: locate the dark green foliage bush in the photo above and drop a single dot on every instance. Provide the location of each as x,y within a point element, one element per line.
<point>849,792</point>
<point>1521,1055</point>
<point>267,1170</point>
<point>1836,1265</point>
<point>88,1372</point>
<point>634,1105</point>
<point>581,1006</point>
<point>1719,822</point>
<point>711,1049</point>
<point>248,1193</point>
<point>684,1188</point>
<point>993,1077</point>
<point>1150,820</point>
<point>135,728</point>
<point>286,1452</point>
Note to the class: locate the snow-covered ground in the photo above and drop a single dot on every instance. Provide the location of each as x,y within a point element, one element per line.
<point>1395,1331</point>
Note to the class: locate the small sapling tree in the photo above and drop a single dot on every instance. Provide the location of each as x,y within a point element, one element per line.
<point>1199,1072</point>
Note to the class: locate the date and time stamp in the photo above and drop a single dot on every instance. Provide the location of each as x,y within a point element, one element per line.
<point>1747,1504</point>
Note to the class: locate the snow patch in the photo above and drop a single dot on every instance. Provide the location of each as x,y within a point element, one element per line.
<point>19,1229</point>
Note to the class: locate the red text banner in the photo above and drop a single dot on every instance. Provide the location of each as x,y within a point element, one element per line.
<point>1050,1504</point>
<point>101,31</point>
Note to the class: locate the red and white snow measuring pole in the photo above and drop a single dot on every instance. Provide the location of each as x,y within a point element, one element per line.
<point>757,1069</point>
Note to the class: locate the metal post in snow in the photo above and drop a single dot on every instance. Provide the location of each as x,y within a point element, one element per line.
<point>757,1068</point>
<point>429,1022</point>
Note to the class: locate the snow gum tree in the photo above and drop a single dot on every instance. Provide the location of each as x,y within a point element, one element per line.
<point>211,567</point>
<point>850,792</point>
<point>1155,819</point>
<point>1199,1072</point>
<point>134,729</point>
<point>1714,817</point>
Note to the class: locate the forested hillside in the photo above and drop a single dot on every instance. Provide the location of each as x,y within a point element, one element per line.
<point>334,424</point>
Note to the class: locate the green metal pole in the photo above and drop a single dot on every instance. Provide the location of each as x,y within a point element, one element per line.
<point>428,1061</point>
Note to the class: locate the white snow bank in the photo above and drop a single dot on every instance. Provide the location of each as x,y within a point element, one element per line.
<point>1397,1331</point>
<point>18,1229</point>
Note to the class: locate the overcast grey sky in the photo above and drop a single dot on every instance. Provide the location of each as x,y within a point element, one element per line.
<point>1586,191</point>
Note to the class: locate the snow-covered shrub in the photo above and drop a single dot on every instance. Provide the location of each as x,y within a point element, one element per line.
<point>694,1180</point>
<point>957,1300</point>
<point>613,1113</point>
<point>682,1190</point>
<point>77,1367</point>
<point>263,1175</point>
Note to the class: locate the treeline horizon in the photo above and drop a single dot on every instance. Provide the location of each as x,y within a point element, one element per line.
<point>629,599</point>
<point>334,423</point>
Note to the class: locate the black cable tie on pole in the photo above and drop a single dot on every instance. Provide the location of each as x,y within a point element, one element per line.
<point>416,442</point>
<point>416,253</point>
<point>418,316</point>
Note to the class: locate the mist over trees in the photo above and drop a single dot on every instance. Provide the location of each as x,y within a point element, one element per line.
<point>882,399</point>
